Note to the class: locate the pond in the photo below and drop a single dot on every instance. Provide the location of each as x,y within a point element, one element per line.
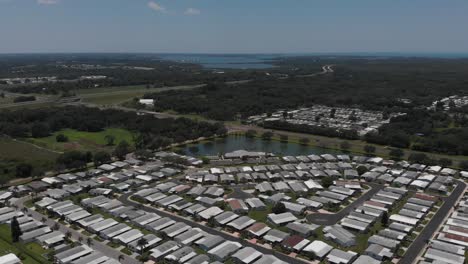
<point>236,142</point>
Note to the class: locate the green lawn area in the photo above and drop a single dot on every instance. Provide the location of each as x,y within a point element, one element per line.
<point>30,253</point>
<point>84,141</point>
<point>14,152</point>
<point>261,216</point>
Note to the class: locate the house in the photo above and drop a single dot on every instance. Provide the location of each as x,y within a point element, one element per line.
<point>281,219</point>
<point>73,253</point>
<point>238,206</point>
<point>258,229</point>
<point>241,223</point>
<point>295,243</point>
<point>302,229</point>
<point>210,212</point>
<point>246,255</point>
<point>256,204</point>
<point>440,256</point>
<point>294,208</point>
<point>363,259</point>
<point>339,235</point>
<point>269,259</point>
<point>10,259</point>
<point>275,236</point>
<point>190,236</point>
<point>338,256</point>
<point>160,224</point>
<point>318,248</point>
<point>176,229</point>
<point>129,236</point>
<point>209,242</point>
<point>383,241</point>
<point>181,255</point>
<point>151,241</point>
<point>163,249</point>
<point>100,226</point>
<point>51,240</point>
<point>225,217</point>
<point>224,250</point>
<point>114,231</point>
<point>378,252</point>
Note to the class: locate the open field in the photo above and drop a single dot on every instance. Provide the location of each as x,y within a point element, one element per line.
<point>84,141</point>
<point>30,253</point>
<point>13,152</point>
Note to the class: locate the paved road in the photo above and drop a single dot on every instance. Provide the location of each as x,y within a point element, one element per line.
<point>421,241</point>
<point>331,219</point>
<point>124,199</point>
<point>96,245</point>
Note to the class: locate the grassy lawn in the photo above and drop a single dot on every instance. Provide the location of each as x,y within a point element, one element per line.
<point>14,152</point>
<point>261,216</point>
<point>30,253</point>
<point>85,141</point>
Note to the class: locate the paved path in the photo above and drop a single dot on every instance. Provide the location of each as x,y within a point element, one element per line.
<point>125,199</point>
<point>418,245</point>
<point>331,219</point>
<point>96,245</point>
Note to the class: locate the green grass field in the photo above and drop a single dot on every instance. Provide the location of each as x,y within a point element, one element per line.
<point>14,152</point>
<point>30,253</point>
<point>83,141</point>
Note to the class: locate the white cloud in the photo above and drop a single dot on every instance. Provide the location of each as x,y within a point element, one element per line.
<point>192,11</point>
<point>48,2</point>
<point>156,7</point>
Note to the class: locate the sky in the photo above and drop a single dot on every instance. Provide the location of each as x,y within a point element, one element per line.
<point>234,26</point>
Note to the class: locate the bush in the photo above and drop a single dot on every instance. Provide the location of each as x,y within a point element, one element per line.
<point>250,133</point>
<point>267,135</point>
<point>304,141</point>
<point>284,138</point>
<point>61,138</point>
<point>396,153</point>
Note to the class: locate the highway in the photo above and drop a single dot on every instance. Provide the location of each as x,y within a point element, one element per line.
<point>421,241</point>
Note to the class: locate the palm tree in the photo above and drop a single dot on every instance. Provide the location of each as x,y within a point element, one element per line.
<point>43,219</point>
<point>121,258</point>
<point>24,210</point>
<point>89,241</point>
<point>68,235</point>
<point>80,239</point>
<point>56,226</point>
<point>142,244</point>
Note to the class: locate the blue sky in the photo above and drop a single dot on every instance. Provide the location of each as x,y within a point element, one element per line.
<point>234,26</point>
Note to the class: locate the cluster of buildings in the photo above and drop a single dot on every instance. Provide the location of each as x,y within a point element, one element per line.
<point>339,118</point>
<point>192,216</point>
<point>449,243</point>
<point>24,80</point>
<point>450,102</point>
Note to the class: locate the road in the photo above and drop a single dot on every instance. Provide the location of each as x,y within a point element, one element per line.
<point>125,199</point>
<point>421,241</point>
<point>96,245</point>
<point>331,219</point>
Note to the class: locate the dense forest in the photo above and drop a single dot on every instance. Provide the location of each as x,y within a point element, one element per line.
<point>375,85</point>
<point>152,132</point>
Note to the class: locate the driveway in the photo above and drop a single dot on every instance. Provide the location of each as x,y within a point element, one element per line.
<point>331,219</point>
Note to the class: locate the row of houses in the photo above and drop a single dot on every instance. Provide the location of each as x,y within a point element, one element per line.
<point>450,242</point>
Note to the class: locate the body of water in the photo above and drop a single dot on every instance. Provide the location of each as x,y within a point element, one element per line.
<point>213,61</point>
<point>233,142</point>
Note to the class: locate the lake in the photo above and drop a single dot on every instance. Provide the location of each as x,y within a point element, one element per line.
<point>214,61</point>
<point>236,142</point>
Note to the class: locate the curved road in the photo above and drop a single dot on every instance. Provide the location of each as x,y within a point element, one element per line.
<point>125,200</point>
<point>420,242</point>
<point>331,219</point>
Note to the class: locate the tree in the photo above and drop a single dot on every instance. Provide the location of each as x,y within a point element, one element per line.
<point>39,130</point>
<point>384,219</point>
<point>344,145</point>
<point>326,181</point>
<point>43,219</point>
<point>284,138</point>
<point>142,244</point>
<point>361,170</point>
<point>445,162</point>
<point>15,230</point>
<point>101,157</point>
<point>2,95</point>
<point>23,170</point>
<point>68,235</point>
<point>278,208</point>
<point>121,258</point>
<point>463,164</point>
<point>61,138</point>
<point>89,241</point>
<point>56,226</point>
<point>80,239</point>
<point>285,114</point>
<point>396,153</point>
<point>267,135</point>
<point>110,139</point>
<point>304,141</point>
<point>250,133</point>
<point>369,149</point>
<point>332,113</point>
<point>122,149</point>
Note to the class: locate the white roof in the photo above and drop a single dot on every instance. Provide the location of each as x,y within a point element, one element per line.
<point>9,259</point>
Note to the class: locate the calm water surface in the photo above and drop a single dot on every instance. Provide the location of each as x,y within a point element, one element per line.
<point>233,142</point>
